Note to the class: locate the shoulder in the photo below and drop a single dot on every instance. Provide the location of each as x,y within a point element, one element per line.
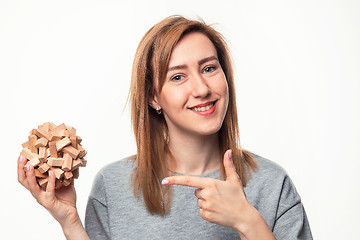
<point>120,167</point>
<point>270,180</point>
<point>272,192</point>
<point>267,168</point>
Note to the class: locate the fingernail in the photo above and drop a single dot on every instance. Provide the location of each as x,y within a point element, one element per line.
<point>230,153</point>
<point>165,182</point>
<point>28,167</point>
<point>21,158</point>
<point>49,173</point>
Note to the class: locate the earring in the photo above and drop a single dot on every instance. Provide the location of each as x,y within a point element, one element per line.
<point>158,110</point>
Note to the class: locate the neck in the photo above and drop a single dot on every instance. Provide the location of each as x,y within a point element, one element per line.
<point>194,155</point>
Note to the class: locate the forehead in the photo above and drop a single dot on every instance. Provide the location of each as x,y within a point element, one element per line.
<point>192,48</point>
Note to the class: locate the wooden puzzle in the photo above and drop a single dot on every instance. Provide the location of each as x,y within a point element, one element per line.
<point>54,148</point>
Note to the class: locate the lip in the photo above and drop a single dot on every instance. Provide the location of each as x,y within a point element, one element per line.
<point>207,112</point>
<point>203,104</point>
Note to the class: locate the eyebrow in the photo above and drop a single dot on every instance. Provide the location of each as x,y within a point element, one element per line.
<point>207,59</point>
<point>202,61</point>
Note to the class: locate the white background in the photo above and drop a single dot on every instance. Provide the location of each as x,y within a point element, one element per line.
<point>298,93</point>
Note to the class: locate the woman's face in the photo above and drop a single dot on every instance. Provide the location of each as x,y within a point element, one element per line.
<point>194,97</point>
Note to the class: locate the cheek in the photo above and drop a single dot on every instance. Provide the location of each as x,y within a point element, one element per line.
<point>221,87</point>
<point>173,98</point>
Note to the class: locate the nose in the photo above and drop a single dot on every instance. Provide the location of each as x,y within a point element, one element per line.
<point>200,87</point>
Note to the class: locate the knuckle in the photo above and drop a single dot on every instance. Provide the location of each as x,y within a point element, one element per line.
<point>208,205</point>
<point>209,193</point>
<point>205,195</point>
<point>208,216</point>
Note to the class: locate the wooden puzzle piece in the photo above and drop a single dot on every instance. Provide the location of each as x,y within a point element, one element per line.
<point>55,162</point>
<point>32,142</point>
<point>62,143</point>
<point>67,165</point>
<point>41,142</point>
<point>44,167</point>
<point>73,152</point>
<point>57,149</point>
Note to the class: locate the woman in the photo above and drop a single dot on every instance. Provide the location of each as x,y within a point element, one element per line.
<point>190,179</point>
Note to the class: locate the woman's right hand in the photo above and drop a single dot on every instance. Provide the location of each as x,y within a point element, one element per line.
<point>61,203</point>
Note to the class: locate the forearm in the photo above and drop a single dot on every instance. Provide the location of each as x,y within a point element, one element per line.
<point>74,230</point>
<point>255,228</point>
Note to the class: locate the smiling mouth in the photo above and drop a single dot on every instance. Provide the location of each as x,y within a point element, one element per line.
<point>203,108</point>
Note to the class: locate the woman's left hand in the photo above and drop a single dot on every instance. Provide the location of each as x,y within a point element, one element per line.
<point>222,202</point>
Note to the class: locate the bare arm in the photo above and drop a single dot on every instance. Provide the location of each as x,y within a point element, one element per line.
<point>60,203</point>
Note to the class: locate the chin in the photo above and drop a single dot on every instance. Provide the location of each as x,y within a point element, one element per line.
<point>210,130</point>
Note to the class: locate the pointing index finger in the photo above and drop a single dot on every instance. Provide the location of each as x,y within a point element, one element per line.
<point>190,181</point>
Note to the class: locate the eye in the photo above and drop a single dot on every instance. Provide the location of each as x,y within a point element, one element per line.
<point>209,69</point>
<point>177,78</point>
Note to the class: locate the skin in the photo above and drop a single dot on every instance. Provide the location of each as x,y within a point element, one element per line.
<point>60,203</point>
<point>225,203</point>
<point>194,77</point>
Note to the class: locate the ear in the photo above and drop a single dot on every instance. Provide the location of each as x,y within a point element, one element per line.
<point>154,103</point>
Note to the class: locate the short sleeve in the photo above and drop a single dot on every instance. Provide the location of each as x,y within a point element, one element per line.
<point>96,218</point>
<point>291,220</point>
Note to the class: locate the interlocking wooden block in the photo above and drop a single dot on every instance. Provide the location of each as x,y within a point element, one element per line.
<point>58,129</point>
<point>83,162</point>
<point>83,152</point>
<point>42,133</point>
<point>76,164</point>
<point>62,143</point>
<point>58,132</point>
<point>28,154</point>
<point>25,144</point>
<point>43,182</point>
<point>74,143</point>
<point>32,142</point>
<point>55,162</point>
<point>75,173</point>
<point>78,139</point>
<point>41,142</point>
<point>67,165</point>
<point>54,148</point>
<point>42,154</point>
<point>45,127</point>
<point>68,175</point>
<point>52,126</point>
<point>35,162</point>
<point>44,167</point>
<point>73,152</point>
<point>56,136</point>
<point>57,171</point>
<point>71,130</point>
<point>38,174</point>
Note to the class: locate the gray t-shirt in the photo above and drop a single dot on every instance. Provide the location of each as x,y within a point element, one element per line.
<point>114,213</point>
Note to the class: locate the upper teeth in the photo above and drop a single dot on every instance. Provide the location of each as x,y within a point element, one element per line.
<point>201,109</point>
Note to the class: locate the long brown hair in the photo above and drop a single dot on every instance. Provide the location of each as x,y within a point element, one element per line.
<point>150,65</point>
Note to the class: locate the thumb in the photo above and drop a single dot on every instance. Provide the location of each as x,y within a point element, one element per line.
<point>230,171</point>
